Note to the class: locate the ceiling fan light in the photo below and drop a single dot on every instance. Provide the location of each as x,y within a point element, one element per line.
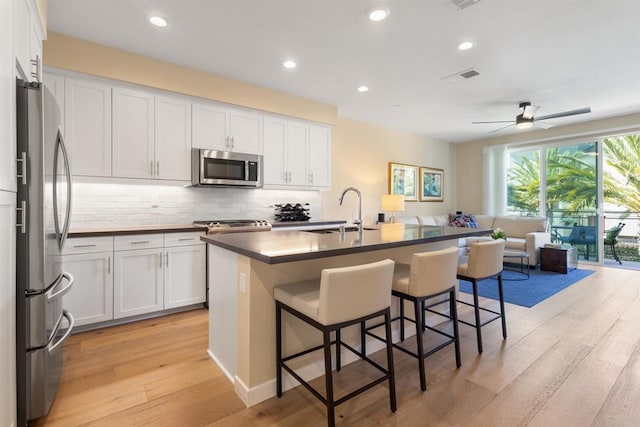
<point>524,125</point>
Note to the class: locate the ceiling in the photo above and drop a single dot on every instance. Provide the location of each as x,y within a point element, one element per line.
<point>558,54</point>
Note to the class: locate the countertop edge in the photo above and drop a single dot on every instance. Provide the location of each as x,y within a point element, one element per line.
<point>337,252</point>
<point>138,229</point>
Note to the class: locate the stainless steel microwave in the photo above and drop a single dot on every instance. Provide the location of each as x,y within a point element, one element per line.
<point>225,169</point>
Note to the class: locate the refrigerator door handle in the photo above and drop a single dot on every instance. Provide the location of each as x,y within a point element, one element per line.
<point>52,345</point>
<point>51,295</point>
<point>61,233</point>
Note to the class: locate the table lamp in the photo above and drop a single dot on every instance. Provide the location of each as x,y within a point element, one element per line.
<point>393,203</point>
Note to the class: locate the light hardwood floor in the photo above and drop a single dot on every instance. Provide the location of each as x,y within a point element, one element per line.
<point>572,360</point>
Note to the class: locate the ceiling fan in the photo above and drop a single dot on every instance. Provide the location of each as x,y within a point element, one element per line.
<point>526,119</point>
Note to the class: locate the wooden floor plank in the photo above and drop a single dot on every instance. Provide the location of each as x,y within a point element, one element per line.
<point>573,359</point>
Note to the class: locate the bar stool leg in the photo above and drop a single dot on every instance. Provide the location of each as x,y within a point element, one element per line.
<point>390,366</point>
<point>363,339</point>
<point>423,381</point>
<point>278,349</point>
<point>476,308</point>
<point>504,319</point>
<point>338,351</point>
<point>328,378</point>
<point>456,334</point>
<point>401,319</point>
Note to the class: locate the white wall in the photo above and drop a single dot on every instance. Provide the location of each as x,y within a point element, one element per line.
<point>111,204</point>
<point>360,155</point>
<point>7,219</point>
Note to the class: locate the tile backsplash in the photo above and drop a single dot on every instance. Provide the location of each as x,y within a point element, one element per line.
<point>109,204</point>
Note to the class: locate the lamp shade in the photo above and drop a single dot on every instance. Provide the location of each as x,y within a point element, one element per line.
<point>392,202</point>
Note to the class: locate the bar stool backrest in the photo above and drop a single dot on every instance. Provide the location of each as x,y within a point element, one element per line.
<point>347,293</point>
<point>485,258</point>
<point>433,272</point>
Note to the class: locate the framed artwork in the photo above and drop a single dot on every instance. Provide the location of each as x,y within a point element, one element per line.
<point>431,184</point>
<point>403,179</point>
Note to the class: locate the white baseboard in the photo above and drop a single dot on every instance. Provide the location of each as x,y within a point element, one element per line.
<point>222,368</point>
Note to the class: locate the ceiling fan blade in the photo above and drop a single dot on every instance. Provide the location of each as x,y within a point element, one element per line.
<point>529,111</point>
<point>504,127</point>
<point>500,121</point>
<point>565,113</point>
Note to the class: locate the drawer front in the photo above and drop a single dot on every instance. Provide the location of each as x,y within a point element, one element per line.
<point>138,241</point>
<point>87,245</point>
<point>188,238</point>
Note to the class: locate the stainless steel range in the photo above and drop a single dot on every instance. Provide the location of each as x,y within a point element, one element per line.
<point>235,225</point>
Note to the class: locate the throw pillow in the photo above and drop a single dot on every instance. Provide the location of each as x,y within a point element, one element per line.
<point>463,220</point>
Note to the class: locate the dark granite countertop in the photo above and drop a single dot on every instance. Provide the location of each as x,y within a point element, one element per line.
<point>289,246</point>
<point>134,229</point>
<point>310,223</point>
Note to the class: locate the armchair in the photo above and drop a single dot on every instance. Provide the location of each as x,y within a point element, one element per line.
<point>581,235</point>
<point>611,239</point>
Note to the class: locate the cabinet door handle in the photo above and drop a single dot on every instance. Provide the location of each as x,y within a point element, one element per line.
<point>167,259</point>
<point>109,264</point>
<point>23,217</point>
<point>311,178</point>
<point>158,168</point>
<point>23,167</point>
<point>227,143</point>
<point>140,242</point>
<point>36,63</point>
<point>84,246</point>
<point>183,239</point>
<point>233,142</point>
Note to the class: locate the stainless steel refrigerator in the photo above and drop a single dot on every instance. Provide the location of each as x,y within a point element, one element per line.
<point>44,206</point>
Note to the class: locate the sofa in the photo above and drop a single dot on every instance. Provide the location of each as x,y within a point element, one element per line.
<point>527,234</point>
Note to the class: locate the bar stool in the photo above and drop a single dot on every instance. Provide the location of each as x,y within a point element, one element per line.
<point>430,275</point>
<point>339,298</point>
<point>484,262</point>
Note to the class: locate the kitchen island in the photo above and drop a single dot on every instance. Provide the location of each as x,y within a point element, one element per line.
<point>243,269</point>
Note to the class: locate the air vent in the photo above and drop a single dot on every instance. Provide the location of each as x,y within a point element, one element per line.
<point>469,73</point>
<point>463,4</point>
<point>461,75</point>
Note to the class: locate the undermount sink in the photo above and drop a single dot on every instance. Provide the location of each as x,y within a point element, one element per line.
<point>335,230</point>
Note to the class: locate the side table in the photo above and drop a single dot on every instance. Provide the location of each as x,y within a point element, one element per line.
<point>560,260</point>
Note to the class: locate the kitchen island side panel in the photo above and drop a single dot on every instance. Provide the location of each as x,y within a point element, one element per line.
<point>256,316</point>
<point>223,295</point>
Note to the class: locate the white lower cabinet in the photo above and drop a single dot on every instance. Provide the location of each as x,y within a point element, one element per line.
<point>90,261</point>
<point>137,284</point>
<point>184,275</point>
<point>123,276</point>
<point>91,298</point>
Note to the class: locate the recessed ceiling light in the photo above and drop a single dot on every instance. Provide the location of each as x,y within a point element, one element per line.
<point>158,21</point>
<point>465,45</point>
<point>363,89</point>
<point>379,14</point>
<point>289,64</point>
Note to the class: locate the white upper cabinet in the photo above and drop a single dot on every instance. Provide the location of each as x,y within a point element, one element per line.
<point>27,40</point>
<point>7,103</point>
<point>223,129</point>
<point>275,153</point>
<point>296,154</point>
<point>245,132</point>
<point>133,134</point>
<point>172,138</point>
<point>319,156</point>
<point>209,127</point>
<point>87,126</point>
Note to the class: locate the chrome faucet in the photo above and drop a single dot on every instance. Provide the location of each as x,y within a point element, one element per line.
<point>359,220</point>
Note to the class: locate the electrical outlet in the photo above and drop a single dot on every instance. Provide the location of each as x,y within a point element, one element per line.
<point>242,283</point>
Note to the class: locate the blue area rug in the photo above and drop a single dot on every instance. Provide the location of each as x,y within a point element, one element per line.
<point>529,292</point>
